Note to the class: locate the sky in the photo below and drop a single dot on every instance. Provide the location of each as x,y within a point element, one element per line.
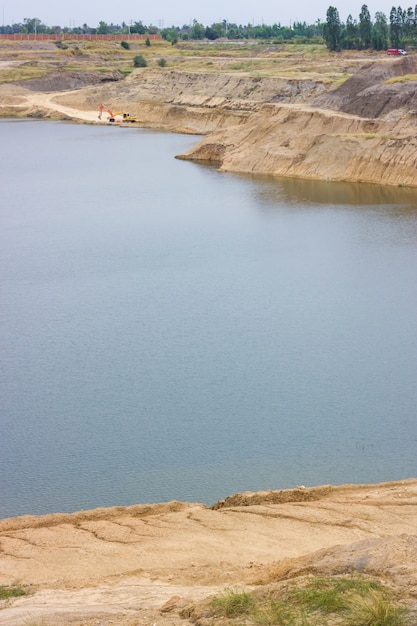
<point>166,13</point>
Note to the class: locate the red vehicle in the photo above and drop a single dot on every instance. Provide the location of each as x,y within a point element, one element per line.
<point>396,51</point>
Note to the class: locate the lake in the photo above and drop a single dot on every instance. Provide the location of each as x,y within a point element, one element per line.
<point>173,332</point>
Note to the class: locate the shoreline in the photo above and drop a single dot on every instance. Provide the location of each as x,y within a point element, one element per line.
<point>299,494</point>
<point>126,563</point>
<point>253,126</point>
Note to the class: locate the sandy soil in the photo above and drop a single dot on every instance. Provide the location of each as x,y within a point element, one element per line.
<point>24,99</point>
<point>47,101</point>
<point>142,564</point>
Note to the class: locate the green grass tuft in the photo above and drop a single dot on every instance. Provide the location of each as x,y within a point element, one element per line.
<point>328,595</point>
<point>321,601</point>
<point>373,609</point>
<point>233,603</point>
<point>11,592</point>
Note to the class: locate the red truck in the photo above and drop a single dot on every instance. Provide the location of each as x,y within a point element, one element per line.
<point>396,51</point>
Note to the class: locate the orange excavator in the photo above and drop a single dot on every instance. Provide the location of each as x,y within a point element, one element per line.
<point>116,117</point>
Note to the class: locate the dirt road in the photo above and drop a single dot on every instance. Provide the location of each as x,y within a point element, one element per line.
<point>25,100</point>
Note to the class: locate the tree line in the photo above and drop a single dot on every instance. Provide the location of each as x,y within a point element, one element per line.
<point>195,31</point>
<point>399,30</point>
<point>378,34</point>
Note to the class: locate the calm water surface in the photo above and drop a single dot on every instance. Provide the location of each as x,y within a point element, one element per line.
<point>171,332</point>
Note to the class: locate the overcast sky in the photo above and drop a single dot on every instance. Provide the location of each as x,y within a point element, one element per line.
<point>165,13</point>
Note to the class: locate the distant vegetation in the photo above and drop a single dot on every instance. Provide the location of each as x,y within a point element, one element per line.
<point>365,34</point>
<point>399,29</point>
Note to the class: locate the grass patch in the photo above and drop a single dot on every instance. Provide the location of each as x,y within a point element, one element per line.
<point>401,79</point>
<point>321,601</point>
<point>7,592</point>
<point>280,613</point>
<point>233,603</point>
<point>297,60</point>
<point>328,595</point>
<point>239,66</point>
<point>373,609</point>
<point>21,73</point>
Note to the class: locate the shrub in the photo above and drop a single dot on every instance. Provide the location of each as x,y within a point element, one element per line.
<point>162,62</point>
<point>125,45</point>
<point>147,42</point>
<point>140,61</point>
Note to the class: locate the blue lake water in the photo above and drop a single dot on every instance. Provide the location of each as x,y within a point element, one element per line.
<point>172,332</point>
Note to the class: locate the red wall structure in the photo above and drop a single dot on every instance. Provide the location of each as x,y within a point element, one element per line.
<point>42,37</point>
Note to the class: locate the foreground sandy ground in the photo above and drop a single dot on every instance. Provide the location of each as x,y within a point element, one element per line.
<point>142,564</point>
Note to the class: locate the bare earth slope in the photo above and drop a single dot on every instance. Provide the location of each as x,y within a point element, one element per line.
<point>142,564</point>
<point>376,90</point>
<point>291,127</point>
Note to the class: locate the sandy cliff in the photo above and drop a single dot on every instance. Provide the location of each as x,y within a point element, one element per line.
<point>364,130</point>
<point>285,127</point>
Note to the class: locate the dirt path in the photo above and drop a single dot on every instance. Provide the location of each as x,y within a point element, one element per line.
<point>24,99</point>
<point>129,562</point>
<point>47,101</point>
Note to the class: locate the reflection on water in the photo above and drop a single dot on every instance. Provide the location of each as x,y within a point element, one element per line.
<point>296,191</point>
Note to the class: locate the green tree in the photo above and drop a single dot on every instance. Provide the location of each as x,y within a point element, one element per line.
<point>350,34</point>
<point>332,29</point>
<point>33,25</point>
<point>103,28</point>
<point>210,33</point>
<point>138,28</point>
<point>408,23</point>
<point>197,31</point>
<point>170,34</point>
<point>219,28</point>
<point>395,20</point>
<point>140,61</point>
<point>380,31</point>
<point>365,26</point>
